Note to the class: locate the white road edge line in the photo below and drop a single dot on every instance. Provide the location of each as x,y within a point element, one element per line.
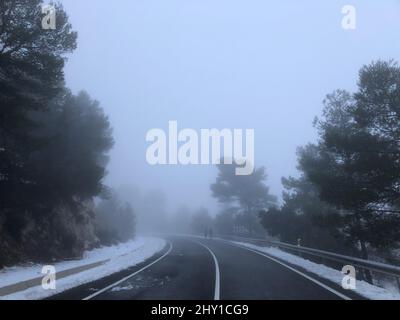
<point>294,270</point>
<point>217,274</point>
<point>127,277</point>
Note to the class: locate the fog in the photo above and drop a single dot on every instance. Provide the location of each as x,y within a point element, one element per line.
<point>198,150</point>
<point>258,65</point>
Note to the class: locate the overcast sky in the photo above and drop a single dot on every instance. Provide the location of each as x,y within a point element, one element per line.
<point>264,65</point>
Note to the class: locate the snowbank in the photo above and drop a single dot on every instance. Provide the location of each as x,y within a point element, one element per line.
<point>363,288</point>
<point>117,258</point>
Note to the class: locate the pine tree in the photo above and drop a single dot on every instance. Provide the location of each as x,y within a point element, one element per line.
<point>356,164</point>
<point>249,193</point>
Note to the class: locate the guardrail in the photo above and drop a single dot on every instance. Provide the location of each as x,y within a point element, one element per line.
<point>375,266</point>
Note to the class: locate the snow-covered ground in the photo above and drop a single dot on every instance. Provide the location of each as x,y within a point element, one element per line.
<point>363,288</point>
<point>119,257</point>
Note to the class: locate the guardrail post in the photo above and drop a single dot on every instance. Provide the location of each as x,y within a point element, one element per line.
<point>299,245</point>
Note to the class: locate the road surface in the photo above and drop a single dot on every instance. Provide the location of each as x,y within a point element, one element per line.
<point>207,269</point>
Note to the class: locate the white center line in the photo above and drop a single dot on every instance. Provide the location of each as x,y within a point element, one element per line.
<point>217,275</point>
<point>128,277</point>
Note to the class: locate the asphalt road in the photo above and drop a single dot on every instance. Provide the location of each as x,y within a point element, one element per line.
<point>208,269</point>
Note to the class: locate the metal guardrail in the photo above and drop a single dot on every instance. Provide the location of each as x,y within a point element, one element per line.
<point>375,266</point>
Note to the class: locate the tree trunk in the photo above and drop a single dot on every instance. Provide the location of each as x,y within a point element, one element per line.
<point>364,255</point>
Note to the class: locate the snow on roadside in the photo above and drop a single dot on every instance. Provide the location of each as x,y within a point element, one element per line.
<point>363,288</point>
<point>120,257</point>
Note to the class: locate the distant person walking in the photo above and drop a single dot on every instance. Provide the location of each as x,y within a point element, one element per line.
<point>206,233</point>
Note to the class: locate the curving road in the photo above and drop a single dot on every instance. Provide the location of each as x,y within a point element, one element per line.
<point>207,269</point>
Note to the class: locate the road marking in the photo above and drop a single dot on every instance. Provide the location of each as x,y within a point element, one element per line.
<point>296,271</point>
<point>128,277</point>
<point>217,275</point>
